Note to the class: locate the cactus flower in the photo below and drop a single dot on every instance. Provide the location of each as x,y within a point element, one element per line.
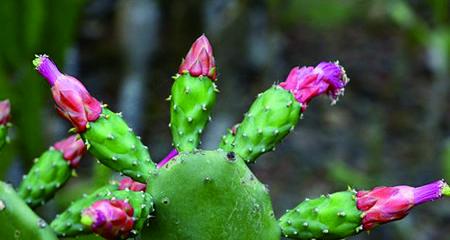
<point>169,156</point>
<point>385,204</point>
<point>306,83</point>
<point>5,109</point>
<point>111,219</point>
<point>72,99</point>
<point>199,61</point>
<point>129,183</point>
<point>72,148</point>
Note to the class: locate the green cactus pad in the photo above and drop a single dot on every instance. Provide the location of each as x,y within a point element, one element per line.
<point>49,172</point>
<point>3,136</point>
<point>190,108</point>
<point>115,145</point>
<point>68,223</point>
<point>270,118</point>
<point>210,195</point>
<point>329,217</point>
<point>18,221</point>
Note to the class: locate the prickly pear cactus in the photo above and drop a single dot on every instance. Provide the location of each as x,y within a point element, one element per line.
<point>210,195</point>
<point>194,193</point>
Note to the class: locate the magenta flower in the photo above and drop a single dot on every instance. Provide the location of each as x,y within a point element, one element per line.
<point>5,109</point>
<point>385,204</point>
<point>111,219</point>
<point>306,83</point>
<point>73,149</point>
<point>169,157</point>
<point>72,99</point>
<point>199,61</point>
<point>128,183</point>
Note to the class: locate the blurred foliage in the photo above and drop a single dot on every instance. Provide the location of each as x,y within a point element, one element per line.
<point>32,27</point>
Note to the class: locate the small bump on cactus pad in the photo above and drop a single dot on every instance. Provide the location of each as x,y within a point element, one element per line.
<point>329,217</point>
<point>115,145</point>
<point>191,102</point>
<point>210,195</point>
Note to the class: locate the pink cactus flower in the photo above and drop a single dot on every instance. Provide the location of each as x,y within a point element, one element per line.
<point>73,149</point>
<point>169,157</point>
<point>386,204</point>
<point>5,108</point>
<point>72,99</point>
<point>305,83</point>
<point>199,61</point>
<point>128,183</point>
<point>111,219</point>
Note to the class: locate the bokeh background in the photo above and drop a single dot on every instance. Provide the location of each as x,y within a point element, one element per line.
<point>392,126</point>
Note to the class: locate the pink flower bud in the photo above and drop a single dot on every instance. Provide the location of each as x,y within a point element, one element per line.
<point>111,219</point>
<point>5,109</point>
<point>199,60</point>
<point>72,99</point>
<point>72,148</point>
<point>385,204</point>
<point>306,83</point>
<point>128,183</point>
<point>169,156</point>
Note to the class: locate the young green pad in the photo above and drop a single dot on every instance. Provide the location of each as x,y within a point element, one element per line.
<point>68,223</point>
<point>191,103</point>
<point>49,172</point>
<point>18,221</point>
<point>210,195</point>
<point>115,145</point>
<point>328,217</point>
<point>271,117</point>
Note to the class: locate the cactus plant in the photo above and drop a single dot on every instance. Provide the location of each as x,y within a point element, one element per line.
<point>203,194</point>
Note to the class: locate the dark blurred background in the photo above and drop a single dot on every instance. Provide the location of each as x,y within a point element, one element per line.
<point>392,126</point>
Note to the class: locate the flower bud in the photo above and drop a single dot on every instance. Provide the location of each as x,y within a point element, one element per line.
<point>305,83</point>
<point>72,99</point>
<point>73,149</point>
<point>111,219</point>
<point>5,108</point>
<point>128,183</point>
<point>199,61</point>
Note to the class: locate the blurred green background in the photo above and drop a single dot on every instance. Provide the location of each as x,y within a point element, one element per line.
<point>392,127</point>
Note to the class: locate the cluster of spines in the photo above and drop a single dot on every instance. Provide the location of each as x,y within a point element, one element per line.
<point>113,143</point>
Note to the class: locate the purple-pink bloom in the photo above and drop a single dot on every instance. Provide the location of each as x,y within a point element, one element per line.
<point>386,204</point>
<point>5,109</point>
<point>111,219</point>
<point>199,61</point>
<point>72,99</point>
<point>73,149</point>
<point>305,83</point>
<point>173,153</point>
